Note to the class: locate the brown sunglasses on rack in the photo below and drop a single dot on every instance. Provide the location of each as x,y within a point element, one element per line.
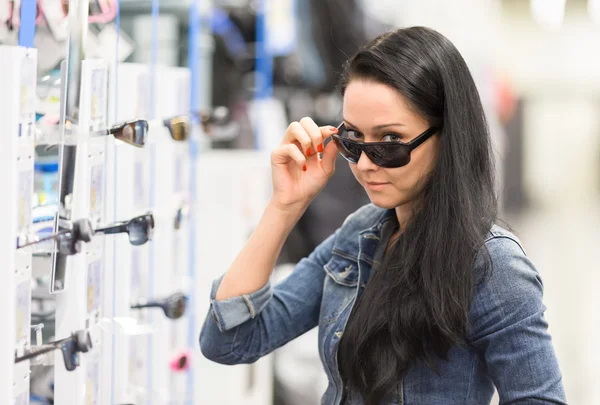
<point>179,127</point>
<point>131,132</point>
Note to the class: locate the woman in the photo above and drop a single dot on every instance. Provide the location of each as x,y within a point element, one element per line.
<point>419,297</point>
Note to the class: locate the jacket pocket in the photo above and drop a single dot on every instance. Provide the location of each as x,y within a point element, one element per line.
<point>339,288</point>
<point>342,270</point>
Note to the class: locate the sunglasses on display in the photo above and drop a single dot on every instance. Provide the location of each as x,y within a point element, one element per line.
<point>383,154</point>
<point>180,362</point>
<point>68,241</point>
<point>179,127</point>
<point>139,229</point>
<point>78,342</point>
<point>174,306</point>
<point>134,133</point>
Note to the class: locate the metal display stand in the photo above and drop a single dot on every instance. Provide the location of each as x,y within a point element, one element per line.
<point>17,118</point>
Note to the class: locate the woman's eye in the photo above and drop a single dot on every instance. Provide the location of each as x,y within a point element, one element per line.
<point>391,138</point>
<point>353,135</point>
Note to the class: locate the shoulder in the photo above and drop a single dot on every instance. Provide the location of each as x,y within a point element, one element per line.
<point>504,255</point>
<point>509,287</point>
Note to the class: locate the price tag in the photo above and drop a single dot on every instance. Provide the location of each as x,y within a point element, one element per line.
<point>92,383</point>
<point>27,93</point>
<point>139,185</point>
<point>23,321</point>
<point>94,283</point>
<point>98,100</point>
<point>24,200</point>
<point>96,191</point>
<point>136,276</point>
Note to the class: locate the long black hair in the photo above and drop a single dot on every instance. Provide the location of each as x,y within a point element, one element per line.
<point>416,306</point>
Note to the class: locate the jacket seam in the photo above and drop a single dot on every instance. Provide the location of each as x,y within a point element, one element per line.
<point>344,255</point>
<point>505,237</point>
<point>474,361</point>
<point>250,306</point>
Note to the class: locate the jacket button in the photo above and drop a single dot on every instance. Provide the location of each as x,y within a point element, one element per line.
<point>338,334</point>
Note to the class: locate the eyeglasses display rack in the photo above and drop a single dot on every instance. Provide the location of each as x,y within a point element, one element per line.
<point>127,267</point>
<point>17,120</point>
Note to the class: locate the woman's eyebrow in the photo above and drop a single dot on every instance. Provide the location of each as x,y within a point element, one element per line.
<point>378,127</point>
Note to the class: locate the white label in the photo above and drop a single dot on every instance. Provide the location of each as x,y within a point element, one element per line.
<point>23,321</point>
<point>25,186</point>
<point>96,191</point>
<point>136,276</point>
<point>98,100</point>
<point>139,185</point>
<point>92,383</point>
<point>94,283</point>
<point>28,96</point>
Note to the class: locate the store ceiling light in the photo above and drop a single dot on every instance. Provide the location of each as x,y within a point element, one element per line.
<point>594,11</point>
<point>548,13</point>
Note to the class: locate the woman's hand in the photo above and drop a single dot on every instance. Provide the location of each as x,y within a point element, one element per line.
<point>299,174</point>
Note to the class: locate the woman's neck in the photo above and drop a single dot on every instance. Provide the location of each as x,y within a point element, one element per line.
<point>403,214</point>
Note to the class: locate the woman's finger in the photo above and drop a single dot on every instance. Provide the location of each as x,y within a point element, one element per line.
<point>287,153</point>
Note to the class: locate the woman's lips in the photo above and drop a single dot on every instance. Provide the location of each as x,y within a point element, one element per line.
<point>376,186</point>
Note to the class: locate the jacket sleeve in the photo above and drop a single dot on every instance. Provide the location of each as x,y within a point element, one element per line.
<point>509,328</point>
<point>243,329</point>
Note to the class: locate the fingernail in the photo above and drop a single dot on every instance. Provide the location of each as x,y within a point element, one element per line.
<point>308,152</point>
<point>304,168</point>
<point>333,129</point>
<point>320,148</point>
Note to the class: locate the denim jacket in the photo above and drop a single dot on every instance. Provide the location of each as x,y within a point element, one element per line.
<point>508,344</point>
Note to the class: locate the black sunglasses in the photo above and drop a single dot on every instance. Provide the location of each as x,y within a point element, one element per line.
<point>131,132</point>
<point>384,154</point>
<point>173,306</point>
<point>139,229</point>
<point>179,127</point>
<point>67,240</point>
<point>78,342</point>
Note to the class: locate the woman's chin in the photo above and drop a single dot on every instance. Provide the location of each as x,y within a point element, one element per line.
<point>383,202</point>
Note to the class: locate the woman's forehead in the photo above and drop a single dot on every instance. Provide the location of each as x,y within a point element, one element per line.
<point>369,104</point>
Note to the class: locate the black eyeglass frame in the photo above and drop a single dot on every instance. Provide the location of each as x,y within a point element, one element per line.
<point>169,305</point>
<point>369,147</point>
<point>78,342</point>
<point>126,227</point>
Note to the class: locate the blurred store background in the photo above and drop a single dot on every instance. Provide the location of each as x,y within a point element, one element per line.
<point>537,65</point>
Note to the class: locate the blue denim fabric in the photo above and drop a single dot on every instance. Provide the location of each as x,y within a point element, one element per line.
<point>509,345</point>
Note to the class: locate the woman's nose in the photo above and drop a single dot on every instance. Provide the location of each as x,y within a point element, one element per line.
<point>365,164</point>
